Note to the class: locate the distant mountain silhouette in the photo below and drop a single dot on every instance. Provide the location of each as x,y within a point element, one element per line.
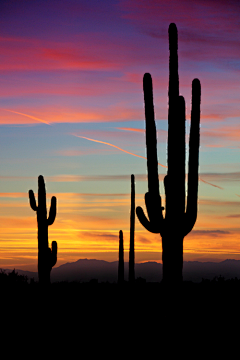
<point>85,270</point>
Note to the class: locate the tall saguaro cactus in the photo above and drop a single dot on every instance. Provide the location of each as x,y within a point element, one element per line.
<point>177,222</point>
<point>121,259</point>
<point>132,230</point>
<point>47,257</point>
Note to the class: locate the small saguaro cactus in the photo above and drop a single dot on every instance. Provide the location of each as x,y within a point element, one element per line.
<point>47,257</point>
<point>132,230</point>
<point>121,259</point>
<point>177,222</point>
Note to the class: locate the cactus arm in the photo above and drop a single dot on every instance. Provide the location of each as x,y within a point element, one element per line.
<point>53,253</point>
<point>192,197</point>
<point>152,197</point>
<point>145,222</point>
<point>151,136</point>
<point>132,231</point>
<point>32,200</point>
<point>181,150</point>
<point>154,210</point>
<point>52,211</point>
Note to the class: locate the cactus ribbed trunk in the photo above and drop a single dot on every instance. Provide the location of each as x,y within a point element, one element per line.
<point>121,259</point>
<point>132,230</point>
<point>172,258</point>
<point>172,242</point>
<point>177,222</point>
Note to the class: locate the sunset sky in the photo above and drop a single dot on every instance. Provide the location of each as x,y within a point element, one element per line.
<point>72,70</point>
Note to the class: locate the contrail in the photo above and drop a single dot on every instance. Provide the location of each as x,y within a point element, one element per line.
<point>140,130</point>
<point>31,117</point>
<point>102,142</point>
<point>219,187</point>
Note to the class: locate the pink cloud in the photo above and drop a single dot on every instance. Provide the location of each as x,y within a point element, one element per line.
<point>223,136</point>
<point>89,51</point>
<point>51,114</point>
<point>38,55</point>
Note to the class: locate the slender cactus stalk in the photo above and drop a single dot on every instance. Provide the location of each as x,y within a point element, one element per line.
<point>132,230</point>
<point>47,257</point>
<point>177,222</point>
<point>121,259</point>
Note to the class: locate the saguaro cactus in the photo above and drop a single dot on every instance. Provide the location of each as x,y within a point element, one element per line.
<point>177,222</point>
<point>47,257</point>
<point>121,259</point>
<point>132,230</point>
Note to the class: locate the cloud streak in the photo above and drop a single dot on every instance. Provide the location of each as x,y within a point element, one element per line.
<point>210,233</point>
<point>206,182</point>
<point>102,142</point>
<point>131,129</point>
<point>29,116</point>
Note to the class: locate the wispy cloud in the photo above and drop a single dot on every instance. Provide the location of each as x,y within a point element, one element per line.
<point>78,178</point>
<point>29,116</point>
<point>200,23</point>
<point>102,142</point>
<point>13,195</point>
<point>75,114</point>
<point>131,129</point>
<point>206,182</point>
<point>210,233</point>
<point>223,177</point>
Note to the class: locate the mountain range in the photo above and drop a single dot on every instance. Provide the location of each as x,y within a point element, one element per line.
<point>84,270</point>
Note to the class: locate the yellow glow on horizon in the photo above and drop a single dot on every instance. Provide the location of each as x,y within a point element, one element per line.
<point>90,224</point>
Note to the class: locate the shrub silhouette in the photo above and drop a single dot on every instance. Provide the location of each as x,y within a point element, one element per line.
<point>13,279</point>
<point>47,257</point>
<point>177,223</point>
<point>132,231</point>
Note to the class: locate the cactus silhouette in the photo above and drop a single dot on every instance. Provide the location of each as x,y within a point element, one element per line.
<point>121,259</point>
<point>132,230</point>
<point>177,222</point>
<point>47,257</point>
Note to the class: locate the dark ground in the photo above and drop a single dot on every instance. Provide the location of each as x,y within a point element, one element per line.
<point>108,318</point>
